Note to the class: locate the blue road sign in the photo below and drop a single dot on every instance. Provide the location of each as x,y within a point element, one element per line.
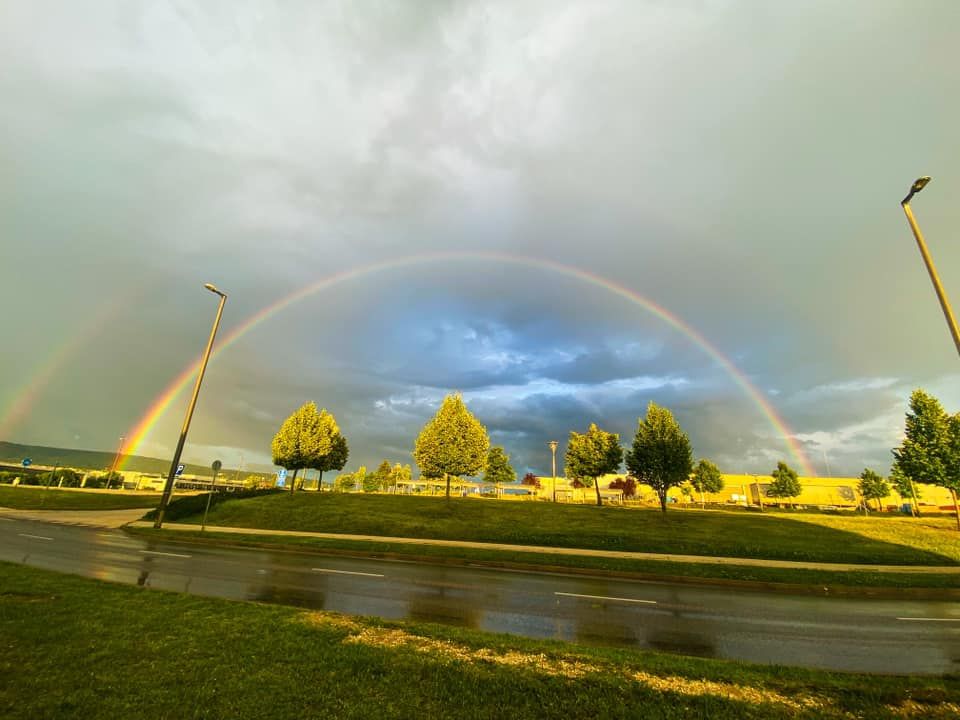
<point>179,471</point>
<point>282,478</point>
<point>26,462</point>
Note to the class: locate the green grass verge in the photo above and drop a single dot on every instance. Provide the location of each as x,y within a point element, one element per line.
<point>807,537</point>
<point>74,647</point>
<point>33,498</point>
<point>808,581</point>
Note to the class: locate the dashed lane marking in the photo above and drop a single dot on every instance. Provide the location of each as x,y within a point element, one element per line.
<point>604,597</point>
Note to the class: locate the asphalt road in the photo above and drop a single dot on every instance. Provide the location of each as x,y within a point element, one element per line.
<point>836,633</point>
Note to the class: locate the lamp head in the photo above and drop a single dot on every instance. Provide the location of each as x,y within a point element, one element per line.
<point>919,184</point>
<point>213,288</point>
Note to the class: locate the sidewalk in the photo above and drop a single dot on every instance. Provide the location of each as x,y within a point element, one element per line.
<point>622,555</point>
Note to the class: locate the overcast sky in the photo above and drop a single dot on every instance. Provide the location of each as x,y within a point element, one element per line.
<point>737,163</point>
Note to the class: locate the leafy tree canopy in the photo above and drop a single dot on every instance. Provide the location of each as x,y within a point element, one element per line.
<point>499,469</point>
<point>785,482</point>
<point>452,443</point>
<point>660,456</point>
<point>593,454</point>
<point>924,451</point>
<point>872,486</point>
<point>707,478</point>
<point>309,439</point>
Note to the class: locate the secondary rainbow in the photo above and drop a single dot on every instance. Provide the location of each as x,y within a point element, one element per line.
<point>139,432</point>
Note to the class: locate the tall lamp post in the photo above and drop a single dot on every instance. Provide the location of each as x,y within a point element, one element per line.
<point>168,487</point>
<point>917,186</point>
<point>116,461</point>
<point>553,453</point>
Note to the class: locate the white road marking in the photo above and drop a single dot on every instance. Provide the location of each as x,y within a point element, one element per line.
<point>919,619</point>
<point>346,572</point>
<point>7,519</point>
<point>165,554</point>
<point>35,537</point>
<point>604,597</point>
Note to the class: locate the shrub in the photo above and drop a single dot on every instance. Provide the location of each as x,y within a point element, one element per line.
<point>627,484</point>
<point>194,504</point>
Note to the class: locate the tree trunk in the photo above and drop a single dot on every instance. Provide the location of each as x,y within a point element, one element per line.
<point>319,480</point>
<point>596,486</point>
<point>447,476</point>
<point>703,503</point>
<point>663,500</point>
<point>956,508</point>
<point>293,481</point>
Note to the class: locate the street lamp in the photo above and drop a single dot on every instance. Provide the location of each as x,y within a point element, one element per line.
<point>168,487</point>
<point>553,452</point>
<point>917,186</point>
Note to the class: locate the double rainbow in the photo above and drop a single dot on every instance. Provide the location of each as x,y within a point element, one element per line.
<point>138,433</point>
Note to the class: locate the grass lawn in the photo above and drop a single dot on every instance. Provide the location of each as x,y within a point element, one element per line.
<point>805,581</point>
<point>34,498</point>
<point>74,647</point>
<point>780,536</point>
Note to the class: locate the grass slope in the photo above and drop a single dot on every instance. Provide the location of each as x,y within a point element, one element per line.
<point>809,537</point>
<point>74,647</point>
<point>32,498</point>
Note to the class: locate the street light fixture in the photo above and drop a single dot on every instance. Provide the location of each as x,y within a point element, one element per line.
<point>171,476</point>
<point>553,452</point>
<point>918,185</point>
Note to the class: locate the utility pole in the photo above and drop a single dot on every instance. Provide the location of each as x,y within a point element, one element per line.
<point>116,462</point>
<point>553,454</point>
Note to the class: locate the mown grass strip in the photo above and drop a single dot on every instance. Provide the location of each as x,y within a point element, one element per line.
<point>74,647</point>
<point>33,498</point>
<point>812,538</point>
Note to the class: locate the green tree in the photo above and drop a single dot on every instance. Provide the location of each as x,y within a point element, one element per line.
<point>381,476</point>
<point>593,454</point>
<point>661,456</point>
<point>873,487</point>
<point>452,443</point>
<point>905,488</point>
<point>706,479</point>
<point>309,440</point>
<point>785,483</point>
<point>400,473</point>
<point>499,469</point>
<point>926,450</point>
<point>951,463</point>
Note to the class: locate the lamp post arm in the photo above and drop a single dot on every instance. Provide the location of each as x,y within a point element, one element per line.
<point>932,270</point>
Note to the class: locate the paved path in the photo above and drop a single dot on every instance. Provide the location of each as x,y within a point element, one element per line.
<point>92,518</point>
<point>796,565</point>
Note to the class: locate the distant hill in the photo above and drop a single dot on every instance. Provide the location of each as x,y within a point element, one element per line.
<point>87,459</point>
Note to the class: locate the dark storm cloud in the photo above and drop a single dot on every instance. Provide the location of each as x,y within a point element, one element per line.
<point>739,164</point>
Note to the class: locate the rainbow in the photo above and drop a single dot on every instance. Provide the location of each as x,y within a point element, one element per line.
<point>44,371</point>
<point>139,432</point>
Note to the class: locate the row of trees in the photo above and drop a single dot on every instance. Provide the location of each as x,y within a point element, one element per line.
<point>454,443</point>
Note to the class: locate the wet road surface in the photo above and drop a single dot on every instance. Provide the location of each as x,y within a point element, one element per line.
<point>836,633</point>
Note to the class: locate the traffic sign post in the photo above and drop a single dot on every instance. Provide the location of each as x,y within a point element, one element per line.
<point>216,468</point>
